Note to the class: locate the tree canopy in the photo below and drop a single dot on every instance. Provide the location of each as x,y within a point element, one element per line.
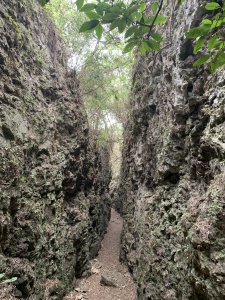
<point>104,71</point>
<point>141,24</point>
<point>101,35</point>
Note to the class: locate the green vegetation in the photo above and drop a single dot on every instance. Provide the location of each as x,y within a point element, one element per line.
<point>102,54</point>
<point>103,70</point>
<point>141,24</point>
<point>209,38</point>
<point>128,17</point>
<point>43,2</point>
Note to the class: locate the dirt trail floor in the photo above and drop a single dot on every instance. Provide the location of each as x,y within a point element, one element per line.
<point>107,268</point>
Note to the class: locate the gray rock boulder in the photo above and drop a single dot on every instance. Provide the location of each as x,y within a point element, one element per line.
<point>111,278</point>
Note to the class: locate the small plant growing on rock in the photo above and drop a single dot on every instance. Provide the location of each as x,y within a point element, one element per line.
<point>209,37</point>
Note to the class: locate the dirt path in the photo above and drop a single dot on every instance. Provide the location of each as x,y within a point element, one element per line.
<point>107,260</point>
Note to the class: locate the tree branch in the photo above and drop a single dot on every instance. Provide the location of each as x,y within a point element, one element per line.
<point>156,16</point>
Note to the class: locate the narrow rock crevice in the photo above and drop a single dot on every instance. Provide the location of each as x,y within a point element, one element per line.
<point>110,280</point>
<point>55,200</point>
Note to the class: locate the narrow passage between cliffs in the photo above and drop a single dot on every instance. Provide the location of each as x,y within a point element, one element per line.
<point>107,270</point>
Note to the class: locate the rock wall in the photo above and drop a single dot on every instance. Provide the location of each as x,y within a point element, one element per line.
<point>172,189</point>
<point>54,203</point>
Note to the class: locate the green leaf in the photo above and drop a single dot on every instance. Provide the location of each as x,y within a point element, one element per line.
<point>129,47</point>
<point>216,23</point>
<point>2,275</point>
<point>144,30</point>
<point>213,42</point>
<point>105,6</point>
<point>110,16</point>
<point>198,31</point>
<point>142,7</point>
<point>99,31</point>
<point>222,45</point>
<point>99,10</point>
<point>79,4</point>
<point>219,61</point>
<point>144,47</point>
<point>157,36</point>
<point>155,7</point>
<point>212,6</point>
<point>160,20</point>
<point>88,7</point>
<point>89,25</point>
<point>137,35</point>
<point>199,44</point>
<point>121,25</point>
<point>131,10</point>
<point>153,45</point>
<point>149,45</point>
<point>202,60</point>
<point>115,9</point>
<point>130,31</point>
<point>136,16</point>
<point>207,22</point>
<point>114,24</point>
<point>92,15</point>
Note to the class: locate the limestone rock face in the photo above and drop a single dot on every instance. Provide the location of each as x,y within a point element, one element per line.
<point>172,189</point>
<point>54,203</point>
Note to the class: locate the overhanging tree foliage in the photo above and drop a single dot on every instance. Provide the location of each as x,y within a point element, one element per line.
<point>140,23</point>
<point>103,70</point>
<point>130,18</point>
<point>209,37</point>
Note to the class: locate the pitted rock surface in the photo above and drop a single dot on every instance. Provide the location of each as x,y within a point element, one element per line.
<point>54,203</point>
<point>172,188</point>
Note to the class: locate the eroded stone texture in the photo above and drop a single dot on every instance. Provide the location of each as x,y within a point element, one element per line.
<point>54,203</point>
<point>173,176</point>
